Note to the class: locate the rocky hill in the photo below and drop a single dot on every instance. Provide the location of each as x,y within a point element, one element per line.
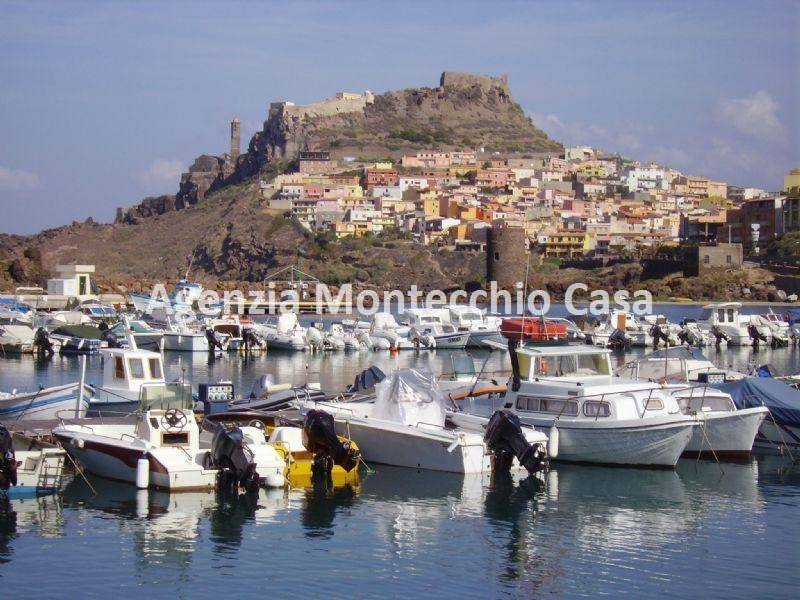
<point>218,220</point>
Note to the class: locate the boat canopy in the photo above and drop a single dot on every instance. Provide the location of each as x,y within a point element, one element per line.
<point>411,397</point>
<point>287,323</point>
<point>782,400</point>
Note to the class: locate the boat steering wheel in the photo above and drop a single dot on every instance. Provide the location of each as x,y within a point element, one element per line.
<point>174,419</point>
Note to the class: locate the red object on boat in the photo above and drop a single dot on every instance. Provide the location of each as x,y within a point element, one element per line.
<point>533,329</point>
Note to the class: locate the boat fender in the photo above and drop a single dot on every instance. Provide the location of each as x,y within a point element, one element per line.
<point>454,445</point>
<point>143,472</point>
<point>77,442</point>
<point>552,442</point>
<point>274,480</point>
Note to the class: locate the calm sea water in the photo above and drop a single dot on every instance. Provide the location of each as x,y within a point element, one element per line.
<point>718,531</point>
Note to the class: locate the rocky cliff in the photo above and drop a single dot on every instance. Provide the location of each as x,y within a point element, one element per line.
<point>463,111</point>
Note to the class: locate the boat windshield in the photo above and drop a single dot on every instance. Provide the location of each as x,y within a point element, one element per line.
<point>163,396</point>
<point>570,365</point>
<point>681,352</point>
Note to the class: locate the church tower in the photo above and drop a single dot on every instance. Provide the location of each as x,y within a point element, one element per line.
<point>235,139</point>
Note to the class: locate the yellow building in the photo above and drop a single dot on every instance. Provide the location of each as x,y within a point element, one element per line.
<point>569,244</point>
<point>792,180</point>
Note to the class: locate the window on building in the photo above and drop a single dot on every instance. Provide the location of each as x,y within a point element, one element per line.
<point>706,259</point>
<point>729,259</point>
<point>497,256</point>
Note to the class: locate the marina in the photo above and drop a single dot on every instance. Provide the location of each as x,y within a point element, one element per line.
<point>406,489</point>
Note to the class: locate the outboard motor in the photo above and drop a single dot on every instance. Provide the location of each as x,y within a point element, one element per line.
<point>618,340</point>
<point>234,460</point>
<point>42,343</point>
<point>319,438</point>
<point>110,338</point>
<point>505,439</point>
<point>659,335</point>
<point>214,340</point>
<point>719,335</point>
<point>515,374</point>
<point>687,336</point>
<point>8,461</point>
<point>252,340</point>
<point>755,335</point>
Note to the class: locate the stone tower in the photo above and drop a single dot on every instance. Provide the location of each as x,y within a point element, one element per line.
<point>235,139</point>
<point>506,247</point>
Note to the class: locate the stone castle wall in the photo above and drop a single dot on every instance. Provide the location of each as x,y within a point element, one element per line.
<point>455,79</point>
<point>344,102</point>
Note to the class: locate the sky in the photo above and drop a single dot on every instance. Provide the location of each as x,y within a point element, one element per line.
<point>103,103</point>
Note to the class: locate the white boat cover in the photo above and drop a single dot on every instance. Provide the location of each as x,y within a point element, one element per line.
<point>383,320</point>
<point>287,323</point>
<point>411,397</point>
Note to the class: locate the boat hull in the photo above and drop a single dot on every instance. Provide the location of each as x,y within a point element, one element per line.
<point>477,338</point>
<point>115,459</point>
<point>658,444</point>
<point>414,449</point>
<point>726,435</point>
<point>183,342</point>
<point>45,404</point>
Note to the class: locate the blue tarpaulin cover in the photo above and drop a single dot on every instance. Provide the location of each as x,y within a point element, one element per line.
<point>782,400</point>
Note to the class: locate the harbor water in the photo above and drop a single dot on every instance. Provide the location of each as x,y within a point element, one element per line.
<point>726,531</point>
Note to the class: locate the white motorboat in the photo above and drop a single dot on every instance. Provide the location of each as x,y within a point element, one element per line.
<point>429,329</point>
<point>677,364</point>
<point>404,425</point>
<point>723,322</point>
<point>386,334</point>
<point>46,403</point>
<point>144,336</point>
<point>621,327</point>
<point>481,327</point>
<point>285,334</point>
<point>160,447</point>
<point>599,418</point>
<point>29,467</point>
<point>127,375</point>
<point>726,432</point>
<point>180,336</point>
<point>17,333</point>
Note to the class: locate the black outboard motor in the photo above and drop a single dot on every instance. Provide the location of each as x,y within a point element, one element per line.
<point>110,337</point>
<point>233,459</point>
<point>515,375</point>
<point>505,439</point>
<point>618,340</point>
<point>42,343</point>
<point>755,335</point>
<point>319,438</point>
<point>659,335</point>
<point>251,339</point>
<point>688,337</point>
<point>719,335</point>
<point>8,461</point>
<point>213,340</point>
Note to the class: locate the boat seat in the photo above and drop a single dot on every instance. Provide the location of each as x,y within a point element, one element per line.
<point>291,436</point>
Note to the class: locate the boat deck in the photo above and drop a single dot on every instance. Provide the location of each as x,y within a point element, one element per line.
<point>44,427</point>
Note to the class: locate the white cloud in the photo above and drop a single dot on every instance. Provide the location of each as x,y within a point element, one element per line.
<point>756,116</point>
<point>161,173</point>
<point>18,180</point>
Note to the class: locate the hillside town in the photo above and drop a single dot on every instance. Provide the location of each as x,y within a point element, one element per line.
<point>579,203</point>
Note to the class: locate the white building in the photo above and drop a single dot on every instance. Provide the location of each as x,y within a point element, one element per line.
<point>639,179</point>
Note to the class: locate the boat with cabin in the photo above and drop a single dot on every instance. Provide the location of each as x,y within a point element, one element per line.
<point>571,392</point>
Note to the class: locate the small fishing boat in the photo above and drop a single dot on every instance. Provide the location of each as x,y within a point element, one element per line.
<point>570,392</point>
<point>144,336</point>
<point>723,322</point>
<point>160,447</point>
<point>403,424</point>
<point>29,467</point>
<point>481,327</point>
<point>428,329</point>
<point>46,403</point>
